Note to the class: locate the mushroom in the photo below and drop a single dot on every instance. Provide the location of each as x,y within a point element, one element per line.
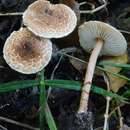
<point>100,39</point>
<point>49,20</point>
<point>27,53</point>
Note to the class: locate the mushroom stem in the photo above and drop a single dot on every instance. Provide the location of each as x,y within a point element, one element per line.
<point>89,75</point>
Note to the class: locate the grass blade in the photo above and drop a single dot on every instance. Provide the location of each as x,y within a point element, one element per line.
<point>114,74</point>
<point>12,86</point>
<point>65,84</point>
<point>126,93</point>
<point>49,118</point>
<point>103,92</point>
<point>75,85</point>
<point>109,63</point>
<point>42,100</point>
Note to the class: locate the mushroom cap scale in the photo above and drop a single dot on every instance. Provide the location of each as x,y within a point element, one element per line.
<point>49,21</point>
<point>114,42</point>
<point>27,53</point>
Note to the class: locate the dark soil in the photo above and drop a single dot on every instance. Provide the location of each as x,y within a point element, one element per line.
<point>23,105</point>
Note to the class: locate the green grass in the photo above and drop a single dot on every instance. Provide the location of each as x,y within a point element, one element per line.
<point>42,100</point>
<point>45,112</point>
<point>49,118</point>
<point>110,63</point>
<point>64,84</point>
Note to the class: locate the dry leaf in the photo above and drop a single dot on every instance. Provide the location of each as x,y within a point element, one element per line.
<point>80,66</point>
<point>115,82</point>
<point>77,64</point>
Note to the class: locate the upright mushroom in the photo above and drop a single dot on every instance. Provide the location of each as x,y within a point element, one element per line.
<point>49,20</point>
<point>100,39</point>
<point>27,53</point>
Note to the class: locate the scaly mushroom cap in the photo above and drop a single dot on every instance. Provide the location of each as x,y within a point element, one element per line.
<point>114,42</point>
<point>26,53</point>
<point>48,20</point>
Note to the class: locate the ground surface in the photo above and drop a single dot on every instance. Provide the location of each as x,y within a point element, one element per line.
<point>22,105</point>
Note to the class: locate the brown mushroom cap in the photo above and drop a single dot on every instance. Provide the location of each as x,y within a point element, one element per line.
<point>49,21</point>
<point>26,53</point>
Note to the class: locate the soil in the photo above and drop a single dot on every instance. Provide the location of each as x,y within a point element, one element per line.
<point>22,105</point>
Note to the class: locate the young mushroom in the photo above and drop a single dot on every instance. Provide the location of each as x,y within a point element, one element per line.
<point>100,39</point>
<point>49,20</point>
<point>27,53</point>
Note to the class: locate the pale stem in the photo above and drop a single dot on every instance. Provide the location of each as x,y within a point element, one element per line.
<point>89,76</point>
<point>106,115</point>
<point>108,99</point>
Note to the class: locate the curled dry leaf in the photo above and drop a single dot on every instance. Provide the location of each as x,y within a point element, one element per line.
<point>115,82</point>
<point>80,66</point>
<point>77,64</point>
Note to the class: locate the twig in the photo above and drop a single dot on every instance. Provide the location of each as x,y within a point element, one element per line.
<point>68,50</point>
<point>17,123</point>
<point>115,109</point>
<point>94,10</point>
<point>124,31</point>
<point>102,1</point>
<point>83,3</point>
<point>3,128</point>
<point>52,75</point>
<point>12,14</point>
<point>1,67</point>
<point>106,115</point>
<point>5,105</point>
<point>75,58</point>
<point>120,117</point>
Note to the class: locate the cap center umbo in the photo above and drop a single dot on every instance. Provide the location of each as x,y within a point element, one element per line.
<point>53,13</point>
<point>27,50</point>
<point>48,11</point>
